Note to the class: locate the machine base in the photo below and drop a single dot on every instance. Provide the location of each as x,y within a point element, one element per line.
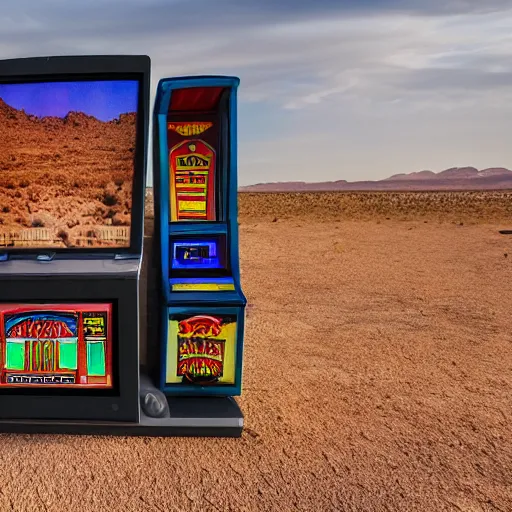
<point>187,417</point>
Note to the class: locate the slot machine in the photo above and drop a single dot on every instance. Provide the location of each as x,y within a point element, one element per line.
<point>71,241</point>
<point>195,179</point>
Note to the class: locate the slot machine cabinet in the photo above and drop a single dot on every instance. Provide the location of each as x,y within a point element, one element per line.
<point>70,255</point>
<point>195,178</point>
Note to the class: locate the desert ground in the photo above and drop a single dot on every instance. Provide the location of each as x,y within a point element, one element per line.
<point>377,376</point>
<point>63,178</point>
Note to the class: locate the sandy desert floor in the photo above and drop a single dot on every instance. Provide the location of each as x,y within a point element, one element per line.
<point>378,377</point>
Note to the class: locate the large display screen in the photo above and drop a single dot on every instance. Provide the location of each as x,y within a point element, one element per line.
<point>67,153</point>
<point>56,345</point>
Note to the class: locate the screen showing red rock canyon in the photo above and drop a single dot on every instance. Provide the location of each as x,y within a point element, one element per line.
<point>67,154</point>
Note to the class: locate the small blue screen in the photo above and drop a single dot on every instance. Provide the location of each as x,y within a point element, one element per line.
<point>199,254</point>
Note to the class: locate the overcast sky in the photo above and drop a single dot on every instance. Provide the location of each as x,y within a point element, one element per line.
<point>330,89</point>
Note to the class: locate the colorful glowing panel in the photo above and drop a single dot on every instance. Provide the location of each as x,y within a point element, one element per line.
<point>203,254</point>
<point>201,350</point>
<point>192,157</point>
<point>192,164</point>
<point>202,284</point>
<point>67,163</point>
<point>56,345</point>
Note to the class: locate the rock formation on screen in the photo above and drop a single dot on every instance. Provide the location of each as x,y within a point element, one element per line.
<point>69,175</point>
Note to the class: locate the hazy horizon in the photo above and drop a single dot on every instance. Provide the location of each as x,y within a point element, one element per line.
<point>312,180</point>
<point>330,90</point>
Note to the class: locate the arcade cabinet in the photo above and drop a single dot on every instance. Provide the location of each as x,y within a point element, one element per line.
<point>196,209</point>
<point>74,134</point>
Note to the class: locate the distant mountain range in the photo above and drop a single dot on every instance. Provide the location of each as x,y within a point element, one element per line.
<point>455,178</point>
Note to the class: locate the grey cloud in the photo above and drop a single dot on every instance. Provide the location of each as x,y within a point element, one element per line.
<point>190,18</point>
<point>452,79</point>
<point>236,36</point>
<point>438,87</point>
<point>429,7</point>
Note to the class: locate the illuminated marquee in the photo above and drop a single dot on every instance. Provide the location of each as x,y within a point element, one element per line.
<point>189,129</point>
<point>38,329</point>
